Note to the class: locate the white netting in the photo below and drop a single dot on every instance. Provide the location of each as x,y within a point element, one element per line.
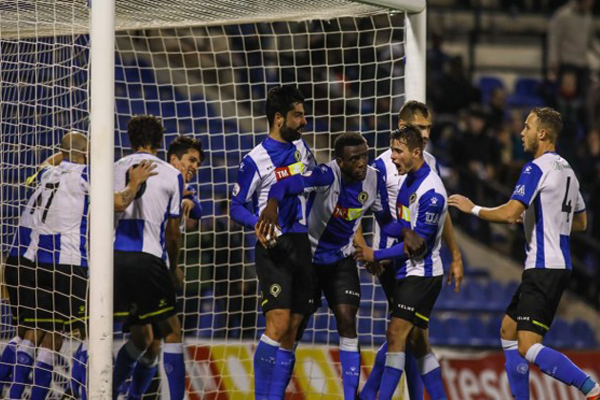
<point>211,82</point>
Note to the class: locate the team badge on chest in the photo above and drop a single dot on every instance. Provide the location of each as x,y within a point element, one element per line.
<point>297,155</point>
<point>363,197</point>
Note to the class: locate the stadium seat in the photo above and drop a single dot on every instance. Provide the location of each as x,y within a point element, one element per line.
<point>437,332</point>
<point>583,335</point>
<point>457,332</point>
<point>496,300</point>
<point>526,93</point>
<point>479,334</point>
<point>487,84</point>
<point>559,335</point>
<point>476,297</point>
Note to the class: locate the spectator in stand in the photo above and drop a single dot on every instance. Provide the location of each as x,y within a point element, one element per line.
<point>496,109</point>
<point>572,109</point>
<point>570,37</point>
<point>475,148</point>
<point>454,81</point>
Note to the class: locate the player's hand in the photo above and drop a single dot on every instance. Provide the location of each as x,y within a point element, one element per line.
<point>267,223</point>
<point>187,206</point>
<point>461,202</point>
<point>457,272</point>
<point>179,277</point>
<point>374,268</point>
<point>414,245</point>
<point>140,173</point>
<point>364,254</point>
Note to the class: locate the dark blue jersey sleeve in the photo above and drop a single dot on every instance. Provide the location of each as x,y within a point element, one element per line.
<point>247,182</point>
<point>294,185</point>
<point>196,212</point>
<point>528,184</point>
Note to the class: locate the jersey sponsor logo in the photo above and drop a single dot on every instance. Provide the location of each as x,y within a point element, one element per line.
<point>349,214</point>
<point>288,170</point>
<point>432,218</point>
<point>275,290</point>
<point>363,197</point>
<point>403,213</point>
<point>236,189</point>
<point>519,190</point>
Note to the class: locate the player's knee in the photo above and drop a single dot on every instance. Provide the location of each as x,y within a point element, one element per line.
<point>141,338</point>
<point>346,325</point>
<point>524,347</point>
<point>418,342</point>
<point>278,324</point>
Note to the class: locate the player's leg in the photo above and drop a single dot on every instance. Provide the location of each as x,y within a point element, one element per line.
<point>285,278</point>
<point>9,353</point>
<point>42,373</point>
<point>412,376</point>
<point>341,286</point>
<point>396,335</point>
<point>144,370</point>
<point>517,368</point>
<point>37,317</point>
<point>285,358</point>
<point>140,339</point>
<point>540,296</point>
<point>427,363</point>
<point>173,357</point>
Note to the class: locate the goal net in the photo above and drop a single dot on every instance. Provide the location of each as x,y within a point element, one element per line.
<point>205,68</point>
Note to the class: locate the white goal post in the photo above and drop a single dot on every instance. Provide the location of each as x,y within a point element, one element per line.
<point>20,19</point>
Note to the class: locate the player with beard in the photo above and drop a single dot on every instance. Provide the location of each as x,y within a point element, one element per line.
<point>548,200</point>
<point>284,271</point>
<point>340,192</point>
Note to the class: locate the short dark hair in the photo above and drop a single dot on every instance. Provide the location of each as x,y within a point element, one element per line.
<point>145,131</point>
<point>412,107</point>
<point>182,144</point>
<point>410,135</point>
<point>347,139</point>
<point>550,119</point>
<point>281,99</point>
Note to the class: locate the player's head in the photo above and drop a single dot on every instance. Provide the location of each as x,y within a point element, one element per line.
<point>285,112</point>
<point>352,155</point>
<point>418,114</point>
<point>543,125</point>
<point>145,132</point>
<point>74,147</point>
<point>186,153</point>
<point>407,148</point>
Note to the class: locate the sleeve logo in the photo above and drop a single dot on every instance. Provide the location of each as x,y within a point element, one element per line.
<point>519,190</point>
<point>434,201</point>
<point>527,170</point>
<point>236,189</point>
<point>363,197</point>
<point>432,218</point>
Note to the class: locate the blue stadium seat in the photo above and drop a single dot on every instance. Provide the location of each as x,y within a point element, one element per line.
<point>526,93</point>
<point>583,335</point>
<point>487,84</point>
<point>496,301</point>
<point>479,334</point>
<point>457,332</point>
<point>494,325</point>
<point>560,334</point>
<point>437,332</point>
<point>476,297</point>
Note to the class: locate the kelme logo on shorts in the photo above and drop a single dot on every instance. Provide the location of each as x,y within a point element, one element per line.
<point>275,290</point>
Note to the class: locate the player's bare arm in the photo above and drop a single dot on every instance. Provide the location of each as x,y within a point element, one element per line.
<point>456,271</point>
<point>137,176</point>
<point>508,213</point>
<point>579,222</point>
<point>173,244</point>
<point>267,222</point>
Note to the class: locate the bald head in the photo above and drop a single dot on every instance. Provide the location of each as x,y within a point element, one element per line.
<point>74,147</point>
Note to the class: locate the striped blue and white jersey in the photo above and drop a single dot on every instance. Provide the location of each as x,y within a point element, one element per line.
<point>549,189</point>
<point>270,162</point>
<point>22,240</point>
<point>335,211</point>
<point>393,180</point>
<point>422,203</point>
<point>60,216</point>
<point>141,227</point>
